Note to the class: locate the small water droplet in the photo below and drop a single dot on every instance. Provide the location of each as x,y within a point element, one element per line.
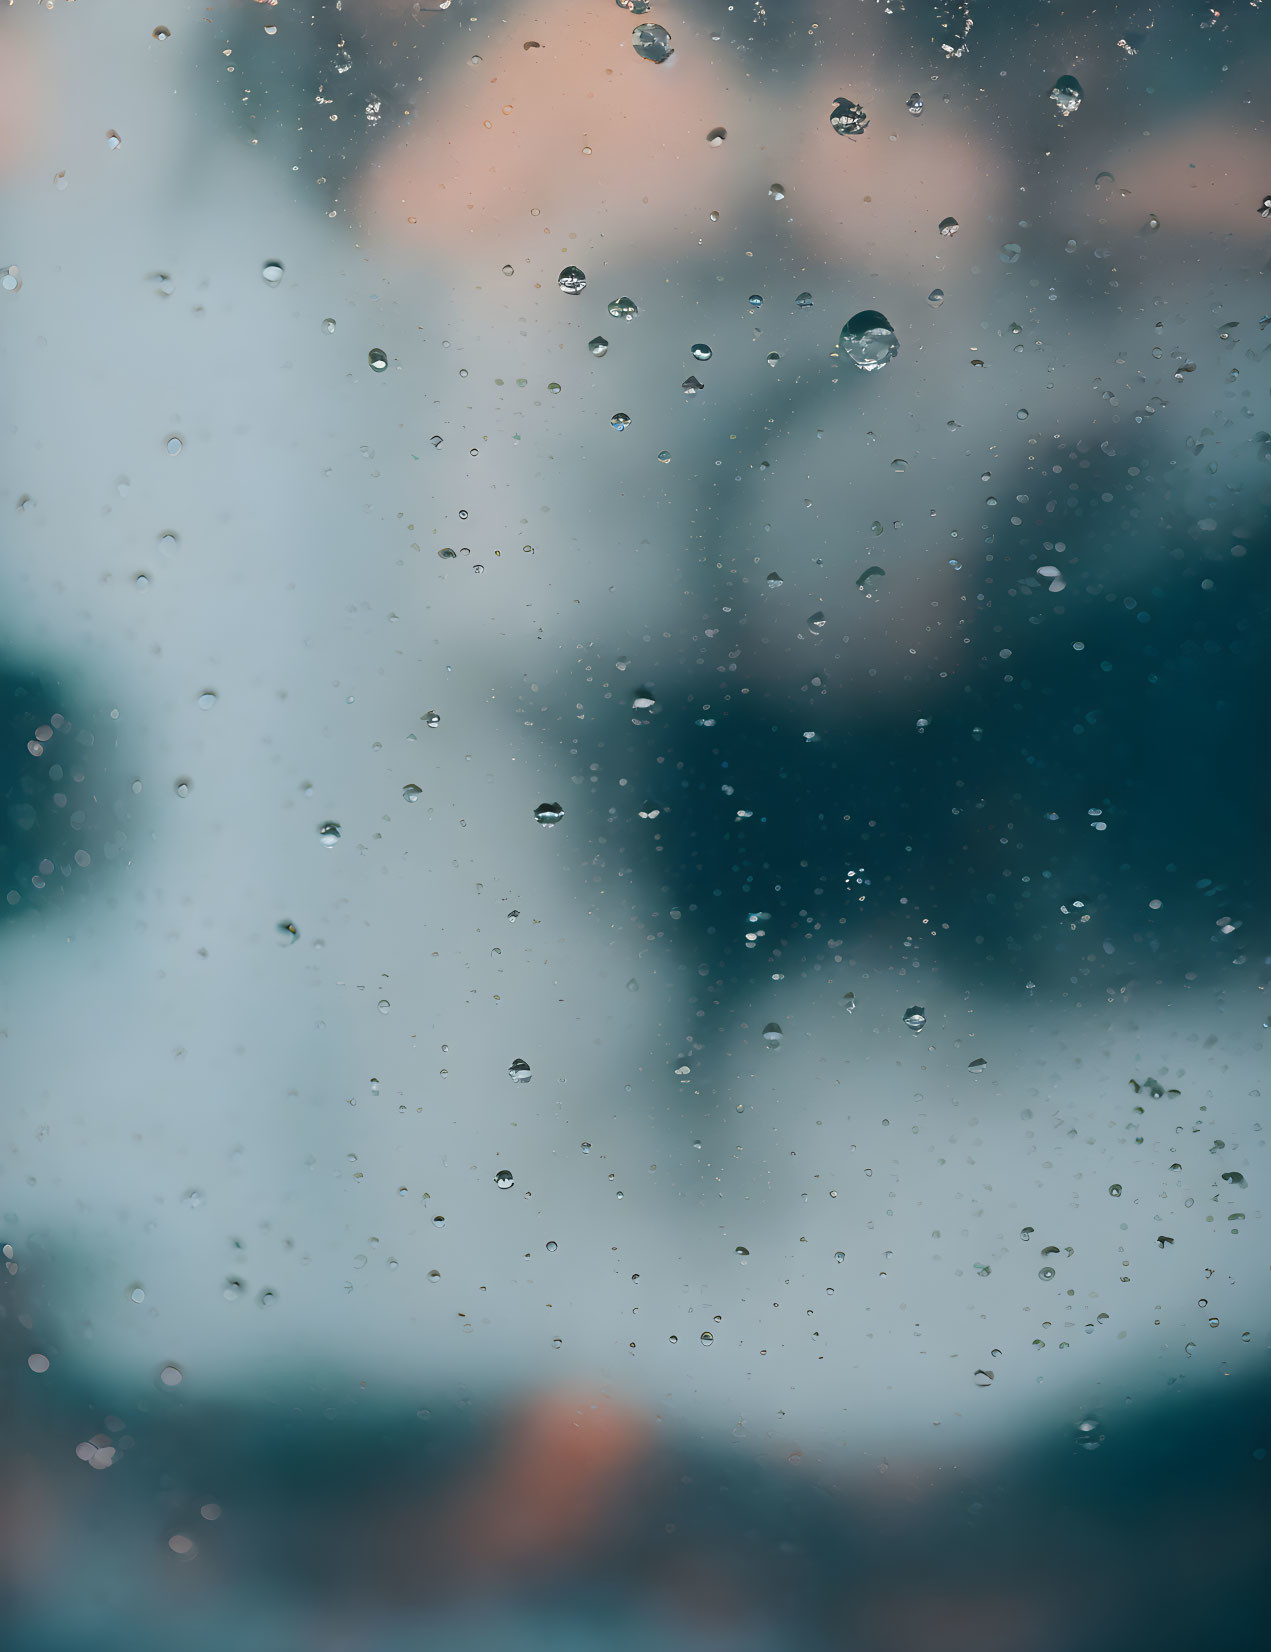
<point>707,1338</point>
<point>700,352</point>
<point>207,699</point>
<point>983,1379</point>
<point>288,932</point>
<point>329,832</point>
<point>622,309</point>
<point>936,297</point>
<point>862,583</point>
<point>570,280</point>
<point>271,272</point>
<point>113,140</point>
<point>916,1017</point>
<point>377,359</point>
<point>1009,252</point>
<point>773,1035</point>
<point>620,421</point>
<point>777,191</point>
<point>519,1072</point>
<point>1066,94</point>
<point>504,1179</point>
<point>803,301</point>
<point>182,787</point>
<point>549,814</point>
<point>948,226</point>
<point>716,136</point>
<point>978,1065</point>
<point>161,33</point>
<point>431,719</point>
<point>599,346</point>
<point>755,301</point>
<point>692,384</point>
<point>664,458</point>
<point>1045,1273</point>
<point>914,103</point>
<point>328,324</point>
<point>412,793</point>
<point>775,582</point>
<point>1115,1190</point>
<point>174,444</point>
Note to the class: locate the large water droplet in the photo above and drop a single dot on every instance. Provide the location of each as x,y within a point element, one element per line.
<point>571,279</point>
<point>549,814</point>
<point>622,309</point>
<point>700,352</point>
<point>869,340</point>
<point>651,42</point>
<point>1066,94</point>
<point>848,119</point>
<point>916,1017</point>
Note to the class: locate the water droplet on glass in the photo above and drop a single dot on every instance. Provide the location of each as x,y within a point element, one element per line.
<point>174,444</point>
<point>549,814</point>
<point>1264,207</point>
<point>113,140</point>
<point>233,1289</point>
<point>869,341</point>
<point>207,699</point>
<point>1045,1273</point>
<point>772,1035</point>
<point>936,297</point>
<point>816,622</point>
<point>692,384</point>
<point>431,719</point>
<point>1115,1190</point>
<point>707,1338</point>
<point>651,42</point>
<point>571,279</point>
<point>862,583</point>
<point>329,832</point>
<point>182,787</point>
<point>383,1006</point>
<point>1152,225</point>
<point>643,700</point>
<point>622,309</point>
<point>899,466</point>
<point>288,931</point>
<point>161,33</point>
<point>978,1065</point>
<point>948,226</point>
<point>848,119</point>
<point>620,421</point>
<point>755,300</point>
<point>803,301</point>
<point>777,191</point>
<point>599,346</point>
<point>775,582</point>
<point>1066,94</point>
<point>700,352</point>
<point>271,272</point>
<point>664,458</point>
<point>916,1017</point>
<point>412,793</point>
<point>914,103</point>
<point>377,359</point>
<point>983,1379</point>
<point>1009,252</point>
<point>328,324</point>
<point>716,136</point>
<point>504,1179</point>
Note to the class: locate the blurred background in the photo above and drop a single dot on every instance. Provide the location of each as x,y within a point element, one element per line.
<point>634,957</point>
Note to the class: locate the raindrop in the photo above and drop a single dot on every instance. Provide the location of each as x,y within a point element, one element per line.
<point>804,301</point>
<point>1009,252</point>
<point>700,352</point>
<point>10,278</point>
<point>707,1338</point>
<point>412,793</point>
<point>551,1245</point>
<point>161,33</point>
<point>1264,207</point>
<point>936,297</point>
<point>328,324</point>
<point>271,272</point>
<point>1115,1190</point>
<point>643,700</point>
<point>775,582</point>
<point>772,1035</point>
<point>816,622</point>
<point>849,1002</point>
<point>431,719</point>
<point>978,1065</point>
<point>377,359</point>
<point>599,346</point>
<point>692,384</point>
<point>869,340</point>
<point>1066,94</point>
<point>207,699</point>
<point>620,421</point>
<point>329,832</point>
<point>1153,224</point>
<point>755,301</point>
<point>777,191</point>
<point>504,1179</point>
<point>772,358</point>
<point>519,1072</point>
<point>848,119</point>
<point>664,458</point>
<point>862,583</point>
<point>983,1379</point>
<point>622,309</point>
<point>508,270</point>
<point>288,931</point>
<point>916,1017</point>
<point>716,136</point>
<point>549,814</point>
<point>182,787</point>
<point>914,103</point>
<point>113,140</point>
<point>948,226</point>
<point>1045,1273</point>
<point>174,444</point>
<point>571,279</point>
<point>651,42</point>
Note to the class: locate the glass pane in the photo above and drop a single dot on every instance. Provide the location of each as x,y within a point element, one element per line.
<point>633,788</point>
